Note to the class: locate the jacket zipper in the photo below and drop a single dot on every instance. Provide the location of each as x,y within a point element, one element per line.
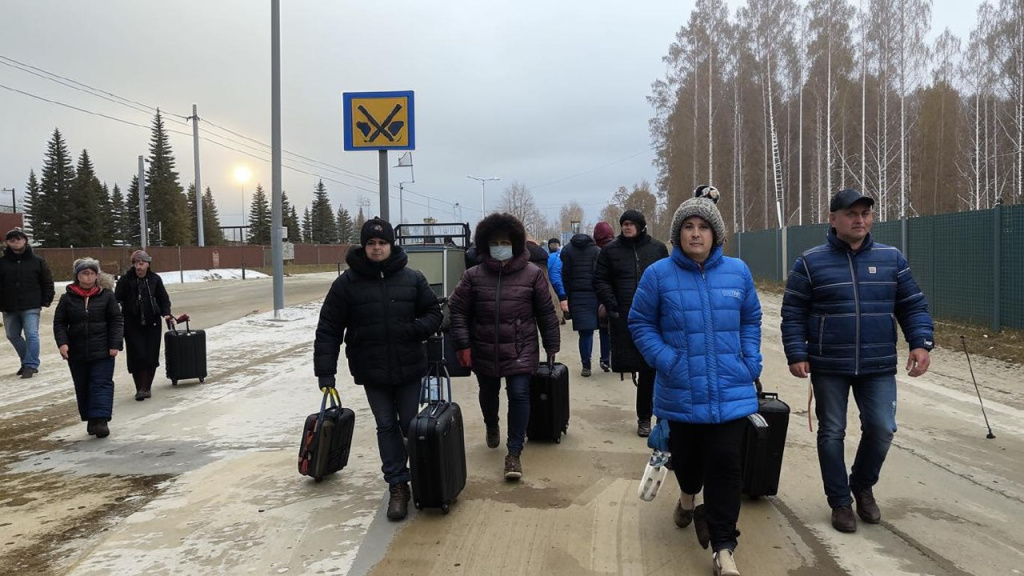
<point>821,336</point>
<point>497,323</point>
<point>387,317</point>
<point>856,311</point>
<point>707,346</point>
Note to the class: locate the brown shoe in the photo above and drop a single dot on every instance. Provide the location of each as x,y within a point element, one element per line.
<point>513,468</point>
<point>700,526</point>
<point>867,508</point>
<point>843,519</point>
<point>398,504</point>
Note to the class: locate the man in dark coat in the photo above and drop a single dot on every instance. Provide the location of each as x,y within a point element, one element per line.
<point>383,311</point>
<point>26,286</point>
<point>578,260</point>
<point>619,268</point>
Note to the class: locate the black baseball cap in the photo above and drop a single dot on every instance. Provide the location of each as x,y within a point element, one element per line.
<point>848,197</point>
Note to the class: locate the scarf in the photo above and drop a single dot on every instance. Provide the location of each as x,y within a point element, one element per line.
<point>83,292</point>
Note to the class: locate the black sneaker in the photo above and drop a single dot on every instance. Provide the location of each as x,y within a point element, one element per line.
<point>20,370</point>
<point>102,431</point>
<point>586,372</point>
<point>493,436</point>
<point>140,395</point>
<point>605,366</point>
<point>513,468</point>
<point>27,372</point>
<point>643,428</point>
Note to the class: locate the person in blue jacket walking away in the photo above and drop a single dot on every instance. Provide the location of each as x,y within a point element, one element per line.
<point>696,319</point>
<point>839,314</point>
<point>555,275</point>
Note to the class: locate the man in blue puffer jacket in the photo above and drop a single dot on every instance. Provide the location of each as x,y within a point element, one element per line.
<point>696,319</point>
<point>839,314</point>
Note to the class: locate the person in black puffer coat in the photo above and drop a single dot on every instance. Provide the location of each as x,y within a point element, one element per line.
<point>579,258</point>
<point>89,329</point>
<point>383,311</point>
<point>26,286</point>
<point>145,302</point>
<point>619,268</point>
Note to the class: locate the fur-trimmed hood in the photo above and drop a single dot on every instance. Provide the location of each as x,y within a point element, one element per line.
<point>495,224</point>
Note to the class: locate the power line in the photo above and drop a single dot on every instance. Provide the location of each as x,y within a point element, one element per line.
<point>630,157</point>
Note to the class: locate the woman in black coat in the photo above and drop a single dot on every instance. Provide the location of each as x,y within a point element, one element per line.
<point>383,311</point>
<point>145,302</point>
<point>88,328</point>
<point>578,260</point>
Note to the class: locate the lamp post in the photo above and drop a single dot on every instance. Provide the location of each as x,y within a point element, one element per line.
<point>405,161</point>
<point>483,192</point>
<point>242,175</point>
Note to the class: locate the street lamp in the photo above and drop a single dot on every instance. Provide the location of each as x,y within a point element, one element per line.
<point>242,175</point>
<point>405,161</point>
<point>483,192</point>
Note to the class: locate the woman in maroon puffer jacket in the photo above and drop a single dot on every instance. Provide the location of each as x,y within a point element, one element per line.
<point>495,312</point>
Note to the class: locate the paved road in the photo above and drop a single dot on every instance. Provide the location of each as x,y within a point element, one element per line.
<point>202,479</point>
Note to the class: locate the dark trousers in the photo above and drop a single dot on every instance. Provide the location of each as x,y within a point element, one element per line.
<point>94,387</point>
<point>586,346</point>
<point>517,387</point>
<point>709,456</point>
<point>393,409</point>
<point>645,394</point>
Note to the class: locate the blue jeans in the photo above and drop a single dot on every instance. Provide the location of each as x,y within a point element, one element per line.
<point>28,346</point>
<point>606,345</point>
<point>94,388</point>
<point>876,400</point>
<point>393,409</point>
<point>517,387</point>
<point>586,346</point>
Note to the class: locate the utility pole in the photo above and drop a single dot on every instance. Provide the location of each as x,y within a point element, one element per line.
<point>143,227</point>
<point>483,192</point>
<point>276,238</point>
<point>199,186</point>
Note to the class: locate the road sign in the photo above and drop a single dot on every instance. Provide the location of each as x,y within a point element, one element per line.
<point>379,120</point>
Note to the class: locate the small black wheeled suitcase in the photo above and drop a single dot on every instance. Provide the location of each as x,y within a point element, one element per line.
<point>549,402</point>
<point>437,445</point>
<point>764,445</point>
<point>326,438</point>
<point>185,354</point>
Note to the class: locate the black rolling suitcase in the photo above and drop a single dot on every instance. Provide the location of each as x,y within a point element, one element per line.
<point>185,354</point>
<point>326,438</point>
<point>437,444</point>
<point>764,444</point>
<point>549,402</point>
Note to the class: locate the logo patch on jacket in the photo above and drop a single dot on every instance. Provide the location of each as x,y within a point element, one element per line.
<point>872,269</point>
<point>735,294</point>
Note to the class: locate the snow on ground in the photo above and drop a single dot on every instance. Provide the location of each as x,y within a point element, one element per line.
<point>188,276</point>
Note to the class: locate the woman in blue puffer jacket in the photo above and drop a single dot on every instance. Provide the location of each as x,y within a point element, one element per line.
<point>696,319</point>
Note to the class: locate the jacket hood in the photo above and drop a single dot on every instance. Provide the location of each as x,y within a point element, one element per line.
<point>538,255</point>
<point>581,241</point>
<point>687,263</point>
<point>500,223</point>
<point>603,234</point>
<point>361,264</point>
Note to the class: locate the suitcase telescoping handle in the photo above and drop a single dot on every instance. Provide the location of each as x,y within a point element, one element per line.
<point>551,362</point>
<point>438,371</point>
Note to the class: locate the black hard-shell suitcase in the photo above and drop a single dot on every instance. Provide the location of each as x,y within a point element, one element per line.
<point>549,402</point>
<point>185,354</point>
<point>440,348</point>
<point>326,438</point>
<point>764,445</point>
<point>437,446</point>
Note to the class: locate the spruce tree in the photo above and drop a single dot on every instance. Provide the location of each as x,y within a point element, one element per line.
<point>211,221</point>
<point>53,209</point>
<point>290,219</point>
<point>167,207</point>
<point>109,225</point>
<point>307,227</point>
<point>259,218</point>
<point>347,233</point>
<point>30,202</point>
<point>85,221</point>
<point>117,215</point>
<point>130,222</point>
<point>324,227</point>
<point>360,220</point>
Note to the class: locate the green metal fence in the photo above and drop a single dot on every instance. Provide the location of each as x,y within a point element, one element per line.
<point>969,264</point>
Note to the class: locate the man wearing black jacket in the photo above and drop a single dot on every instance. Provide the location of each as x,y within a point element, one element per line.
<point>619,268</point>
<point>26,286</point>
<point>383,311</point>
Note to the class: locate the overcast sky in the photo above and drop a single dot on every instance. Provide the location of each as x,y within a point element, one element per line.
<point>551,94</point>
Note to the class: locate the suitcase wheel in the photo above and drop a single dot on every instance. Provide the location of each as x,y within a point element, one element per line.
<point>174,382</point>
<point>446,508</point>
<point>419,506</point>
<point>558,440</point>
<point>201,380</point>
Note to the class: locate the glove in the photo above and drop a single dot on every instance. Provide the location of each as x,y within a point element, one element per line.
<point>326,381</point>
<point>613,314</point>
<point>465,359</point>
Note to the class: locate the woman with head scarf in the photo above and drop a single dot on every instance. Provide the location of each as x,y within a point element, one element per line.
<point>146,304</point>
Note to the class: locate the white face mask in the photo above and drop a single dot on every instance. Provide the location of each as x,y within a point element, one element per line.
<point>501,253</point>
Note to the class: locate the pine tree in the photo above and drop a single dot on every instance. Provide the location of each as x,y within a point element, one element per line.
<point>109,224</point>
<point>360,220</point>
<point>118,216</point>
<point>347,233</point>
<point>211,221</point>
<point>130,222</point>
<point>167,207</point>
<point>259,218</point>
<point>53,209</point>
<point>31,201</point>
<point>307,227</point>
<point>85,222</point>
<point>324,228</point>
<point>190,196</point>
<point>289,219</point>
